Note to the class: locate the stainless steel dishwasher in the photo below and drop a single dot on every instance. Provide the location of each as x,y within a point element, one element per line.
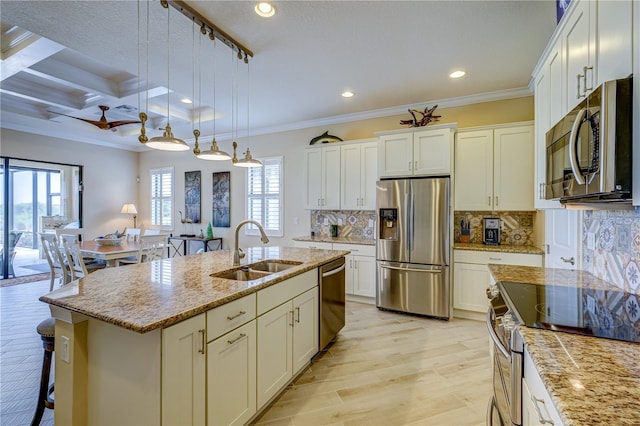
<point>332,297</point>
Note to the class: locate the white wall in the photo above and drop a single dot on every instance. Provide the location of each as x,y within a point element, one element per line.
<point>109,175</point>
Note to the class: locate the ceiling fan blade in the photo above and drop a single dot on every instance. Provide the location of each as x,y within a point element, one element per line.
<point>113,124</point>
<point>99,124</point>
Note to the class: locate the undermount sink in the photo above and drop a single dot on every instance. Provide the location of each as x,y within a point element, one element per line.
<point>274,265</point>
<point>257,270</point>
<point>242,274</point>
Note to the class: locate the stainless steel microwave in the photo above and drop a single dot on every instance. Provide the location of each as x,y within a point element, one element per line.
<point>589,156</point>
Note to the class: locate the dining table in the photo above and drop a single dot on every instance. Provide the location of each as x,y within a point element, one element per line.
<point>109,253</point>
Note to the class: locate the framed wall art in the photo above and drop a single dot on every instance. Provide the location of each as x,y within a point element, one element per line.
<point>192,186</point>
<point>221,203</point>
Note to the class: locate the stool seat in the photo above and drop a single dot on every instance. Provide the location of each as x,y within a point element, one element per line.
<point>47,331</point>
<point>47,328</point>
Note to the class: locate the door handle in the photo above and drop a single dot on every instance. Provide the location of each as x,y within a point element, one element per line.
<point>429,271</point>
<point>231,342</point>
<point>584,70</point>
<point>572,261</point>
<point>298,312</point>
<point>573,142</point>
<point>578,94</point>
<point>202,339</point>
<point>541,418</point>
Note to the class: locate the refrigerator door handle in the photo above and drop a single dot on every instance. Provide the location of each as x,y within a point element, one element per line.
<point>411,220</point>
<point>429,271</point>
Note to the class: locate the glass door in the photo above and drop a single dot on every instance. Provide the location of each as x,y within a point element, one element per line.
<point>36,197</point>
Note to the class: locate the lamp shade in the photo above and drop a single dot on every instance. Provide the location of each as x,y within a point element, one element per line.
<point>129,209</point>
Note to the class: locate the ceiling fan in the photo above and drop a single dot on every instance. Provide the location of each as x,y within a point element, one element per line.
<point>102,123</point>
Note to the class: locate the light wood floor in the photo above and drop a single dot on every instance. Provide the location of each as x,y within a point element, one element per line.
<point>384,369</point>
<point>392,369</point>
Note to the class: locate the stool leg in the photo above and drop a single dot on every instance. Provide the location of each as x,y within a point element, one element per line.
<point>43,394</point>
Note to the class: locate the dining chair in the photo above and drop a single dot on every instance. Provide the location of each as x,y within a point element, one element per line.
<point>151,248</point>
<point>55,259</point>
<point>78,232</point>
<point>14,237</point>
<point>132,234</point>
<point>78,266</point>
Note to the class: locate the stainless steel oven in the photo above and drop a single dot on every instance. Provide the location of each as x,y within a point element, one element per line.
<point>505,404</point>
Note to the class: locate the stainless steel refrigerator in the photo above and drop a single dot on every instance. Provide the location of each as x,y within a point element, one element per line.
<point>413,246</point>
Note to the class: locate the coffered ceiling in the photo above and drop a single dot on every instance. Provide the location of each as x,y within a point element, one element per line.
<point>70,57</point>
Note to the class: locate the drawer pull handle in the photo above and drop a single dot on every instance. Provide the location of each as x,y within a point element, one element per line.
<point>239,314</point>
<point>241,336</point>
<point>540,416</point>
<point>202,339</point>
<point>298,312</point>
<point>495,258</point>
<point>572,261</point>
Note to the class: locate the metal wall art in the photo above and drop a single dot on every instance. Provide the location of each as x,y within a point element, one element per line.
<point>192,185</point>
<point>427,117</point>
<point>221,201</point>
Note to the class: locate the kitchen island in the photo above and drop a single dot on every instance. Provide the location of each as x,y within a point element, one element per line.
<point>590,380</point>
<point>127,336</point>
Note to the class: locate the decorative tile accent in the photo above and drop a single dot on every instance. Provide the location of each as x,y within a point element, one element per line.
<point>616,257</point>
<point>354,223</point>
<point>517,227</point>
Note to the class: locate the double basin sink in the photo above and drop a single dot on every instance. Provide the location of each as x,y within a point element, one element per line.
<point>256,270</point>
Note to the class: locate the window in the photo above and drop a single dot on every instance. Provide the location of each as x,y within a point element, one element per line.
<point>264,197</point>
<point>162,197</point>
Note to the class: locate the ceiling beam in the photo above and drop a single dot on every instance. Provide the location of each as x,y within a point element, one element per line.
<point>27,51</point>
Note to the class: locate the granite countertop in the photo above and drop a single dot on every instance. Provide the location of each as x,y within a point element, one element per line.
<point>591,380</point>
<point>499,248</point>
<point>151,295</point>
<point>342,240</point>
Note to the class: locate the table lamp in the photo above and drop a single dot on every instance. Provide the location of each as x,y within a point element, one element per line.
<point>130,209</point>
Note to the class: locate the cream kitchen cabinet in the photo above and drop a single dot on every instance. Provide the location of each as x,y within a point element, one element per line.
<point>494,169</point>
<point>471,278</point>
<point>548,111</point>
<point>415,152</point>
<point>598,39</point>
<point>537,405</point>
<point>231,373</point>
<point>360,274</point>
<point>359,173</point>
<point>313,245</point>
<point>184,370</point>
<point>287,331</point>
<point>323,178</point>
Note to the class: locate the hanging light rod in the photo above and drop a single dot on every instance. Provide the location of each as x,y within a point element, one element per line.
<point>203,22</point>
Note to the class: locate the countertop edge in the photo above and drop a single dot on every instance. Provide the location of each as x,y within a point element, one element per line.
<point>196,310</point>
<point>499,248</point>
<point>337,240</point>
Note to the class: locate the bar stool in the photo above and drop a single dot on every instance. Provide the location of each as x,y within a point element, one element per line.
<point>46,329</point>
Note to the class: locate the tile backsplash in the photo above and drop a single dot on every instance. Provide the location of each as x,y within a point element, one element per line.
<point>615,254</point>
<point>516,227</point>
<point>351,223</point>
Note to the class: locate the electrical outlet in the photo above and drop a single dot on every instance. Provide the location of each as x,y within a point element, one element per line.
<point>295,220</point>
<point>326,221</point>
<point>591,241</point>
<point>64,349</point>
<point>340,223</point>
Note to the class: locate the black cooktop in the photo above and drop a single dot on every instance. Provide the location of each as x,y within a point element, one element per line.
<point>612,313</point>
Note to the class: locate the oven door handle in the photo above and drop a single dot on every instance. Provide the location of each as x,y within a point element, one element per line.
<point>573,147</point>
<point>494,337</point>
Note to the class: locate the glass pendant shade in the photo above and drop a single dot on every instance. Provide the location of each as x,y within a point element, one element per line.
<point>214,153</point>
<point>167,142</point>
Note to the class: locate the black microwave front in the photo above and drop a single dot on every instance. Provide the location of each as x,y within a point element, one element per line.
<point>588,154</point>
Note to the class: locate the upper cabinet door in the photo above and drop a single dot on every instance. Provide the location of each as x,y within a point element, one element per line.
<point>331,178</point>
<point>614,48</point>
<point>351,170</point>
<point>513,168</point>
<point>474,170</point>
<point>313,158</point>
<point>432,152</point>
<point>369,173</point>
<point>395,155</point>
<point>578,37</point>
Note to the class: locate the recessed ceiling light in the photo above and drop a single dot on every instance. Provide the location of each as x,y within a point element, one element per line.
<point>457,74</point>
<point>264,9</point>
<point>348,94</point>
<point>186,101</point>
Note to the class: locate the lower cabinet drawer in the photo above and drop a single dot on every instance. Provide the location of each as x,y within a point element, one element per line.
<point>227,317</point>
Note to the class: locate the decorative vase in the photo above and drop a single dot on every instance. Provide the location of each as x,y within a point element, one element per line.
<point>209,231</point>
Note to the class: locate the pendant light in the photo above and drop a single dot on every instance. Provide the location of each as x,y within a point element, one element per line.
<point>214,152</point>
<point>248,161</point>
<point>167,142</point>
